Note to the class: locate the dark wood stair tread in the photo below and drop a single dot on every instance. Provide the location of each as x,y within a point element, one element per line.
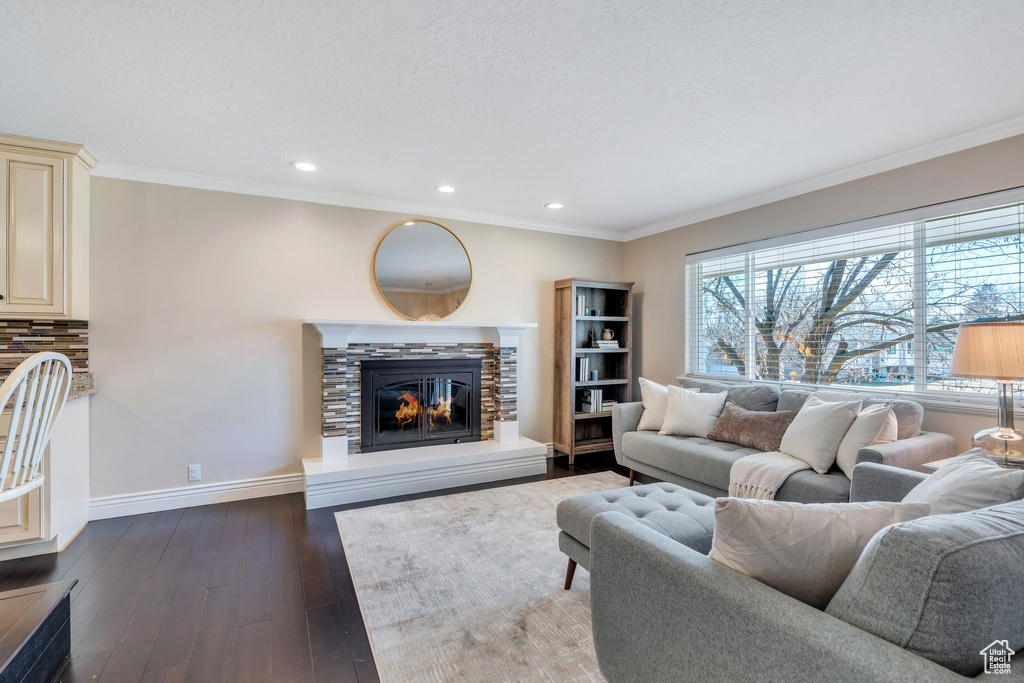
<point>35,629</point>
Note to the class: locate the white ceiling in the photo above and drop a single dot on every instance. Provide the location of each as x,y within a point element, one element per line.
<point>637,115</point>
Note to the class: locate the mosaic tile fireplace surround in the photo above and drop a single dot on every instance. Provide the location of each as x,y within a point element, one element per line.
<point>342,396</point>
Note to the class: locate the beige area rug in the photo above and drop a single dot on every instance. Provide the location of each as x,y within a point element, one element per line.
<point>468,587</point>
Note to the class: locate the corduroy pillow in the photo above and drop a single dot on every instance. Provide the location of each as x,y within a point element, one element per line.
<point>762,430</point>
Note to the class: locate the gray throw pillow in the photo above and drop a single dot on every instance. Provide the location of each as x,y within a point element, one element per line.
<point>943,587</point>
<point>760,429</point>
<point>969,482</point>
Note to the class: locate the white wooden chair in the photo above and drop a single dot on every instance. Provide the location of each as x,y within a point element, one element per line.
<point>34,394</point>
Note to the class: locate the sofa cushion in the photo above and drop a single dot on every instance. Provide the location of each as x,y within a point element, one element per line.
<point>749,396</point>
<point>655,400</point>
<point>691,457</point>
<point>908,413</point>
<point>808,486</point>
<point>943,587</point>
<point>970,481</point>
<point>818,429</point>
<point>803,550</point>
<point>760,429</point>
<point>682,515</point>
<point>691,413</point>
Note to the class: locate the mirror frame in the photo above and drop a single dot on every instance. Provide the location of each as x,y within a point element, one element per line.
<point>376,251</point>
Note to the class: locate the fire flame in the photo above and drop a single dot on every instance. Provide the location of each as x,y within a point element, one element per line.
<point>409,411</point>
<point>443,409</point>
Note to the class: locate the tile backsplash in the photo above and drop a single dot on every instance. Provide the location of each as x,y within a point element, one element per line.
<point>19,339</point>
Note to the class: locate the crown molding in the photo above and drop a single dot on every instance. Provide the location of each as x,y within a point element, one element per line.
<point>107,169</point>
<point>932,150</point>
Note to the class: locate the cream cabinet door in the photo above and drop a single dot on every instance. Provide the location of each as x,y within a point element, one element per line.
<point>32,250</point>
<point>21,519</point>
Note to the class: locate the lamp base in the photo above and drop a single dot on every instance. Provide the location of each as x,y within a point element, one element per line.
<point>1002,443</point>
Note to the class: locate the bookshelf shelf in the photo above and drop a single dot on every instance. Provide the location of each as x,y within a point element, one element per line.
<point>575,431</point>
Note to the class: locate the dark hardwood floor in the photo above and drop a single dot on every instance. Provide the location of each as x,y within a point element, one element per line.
<point>256,590</point>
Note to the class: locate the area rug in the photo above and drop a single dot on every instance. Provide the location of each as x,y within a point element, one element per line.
<point>468,587</point>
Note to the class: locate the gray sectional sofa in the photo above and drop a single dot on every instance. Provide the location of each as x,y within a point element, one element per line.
<point>702,465</point>
<point>670,613</point>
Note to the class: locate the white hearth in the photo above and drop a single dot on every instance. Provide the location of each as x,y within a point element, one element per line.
<point>337,475</point>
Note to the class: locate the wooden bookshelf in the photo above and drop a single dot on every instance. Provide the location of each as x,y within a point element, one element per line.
<point>576,432</point>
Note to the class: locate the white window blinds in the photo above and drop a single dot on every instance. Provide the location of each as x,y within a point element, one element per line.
<point>874,303</point>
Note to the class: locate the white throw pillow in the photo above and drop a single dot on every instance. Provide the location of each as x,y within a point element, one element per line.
<point>803,550</point>
<point>655,398</point>
<point>692,413</point>
<point>970,481</point>
<point>817,430</point>
<point>874,424</point>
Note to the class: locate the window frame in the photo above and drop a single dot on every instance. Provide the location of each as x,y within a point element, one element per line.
<point>935,399</point>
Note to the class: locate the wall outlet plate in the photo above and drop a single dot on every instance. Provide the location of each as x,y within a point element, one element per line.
<point>195,472</point>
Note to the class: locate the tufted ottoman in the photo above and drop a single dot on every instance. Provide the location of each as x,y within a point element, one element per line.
<point>681,514</point>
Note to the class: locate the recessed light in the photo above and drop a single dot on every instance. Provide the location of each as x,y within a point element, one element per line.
<point>445,188</point>
<point>409,223</point>
<point>303,166</point>
<point>553,205</point>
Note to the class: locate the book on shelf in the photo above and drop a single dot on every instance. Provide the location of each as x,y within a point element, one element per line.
<point>592,401</point>
<point>581,304</point>
<point>582,369</point>
<point>606,344</point>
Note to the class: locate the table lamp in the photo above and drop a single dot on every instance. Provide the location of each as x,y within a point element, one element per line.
<point>994,351</point>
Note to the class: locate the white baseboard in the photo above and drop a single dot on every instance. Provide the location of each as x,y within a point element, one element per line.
<point>191,496</point>
<point>202,494</point>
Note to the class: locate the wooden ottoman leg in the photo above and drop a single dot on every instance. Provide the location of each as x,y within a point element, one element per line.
<point>569,572</point>
<point>632,473</point>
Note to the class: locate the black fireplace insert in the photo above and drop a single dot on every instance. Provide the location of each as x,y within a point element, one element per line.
<point>409,403</point>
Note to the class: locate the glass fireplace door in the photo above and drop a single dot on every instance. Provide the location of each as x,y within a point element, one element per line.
<point>399,411</point>
<point>447,411</point>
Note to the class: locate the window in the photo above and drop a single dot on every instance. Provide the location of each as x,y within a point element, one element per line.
<point>870,304</point>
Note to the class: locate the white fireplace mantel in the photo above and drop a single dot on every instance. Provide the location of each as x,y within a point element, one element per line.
<point>339,333</point>
<point>337,477</point>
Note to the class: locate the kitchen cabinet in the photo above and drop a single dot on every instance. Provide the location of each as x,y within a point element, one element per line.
<point>44,247</point>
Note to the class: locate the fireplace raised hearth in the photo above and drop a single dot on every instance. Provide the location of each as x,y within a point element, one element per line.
<point>410,403</point>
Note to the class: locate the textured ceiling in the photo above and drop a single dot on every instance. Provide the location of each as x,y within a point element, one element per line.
<point>630,112</point>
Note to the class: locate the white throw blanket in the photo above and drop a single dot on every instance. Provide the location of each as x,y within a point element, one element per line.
<point>760,475</point>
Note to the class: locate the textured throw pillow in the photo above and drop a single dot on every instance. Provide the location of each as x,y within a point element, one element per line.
<point>691,414</point>
<point>971,481</point>
<point>943,587</point>
<point>762,430</point>
<point>874,424</point>
<point>817,430</point>
<point>655,398</point>
<point>804,550</point>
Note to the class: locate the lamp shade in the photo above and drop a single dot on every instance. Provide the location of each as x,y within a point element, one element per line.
<point>989,350</point>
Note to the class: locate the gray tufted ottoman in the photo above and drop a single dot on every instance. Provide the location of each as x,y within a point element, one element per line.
<point>679,513</point>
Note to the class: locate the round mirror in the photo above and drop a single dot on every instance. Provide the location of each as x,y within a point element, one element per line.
<point>422,270</point>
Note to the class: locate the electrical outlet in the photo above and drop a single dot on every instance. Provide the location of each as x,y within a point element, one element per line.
<point>195,472</point>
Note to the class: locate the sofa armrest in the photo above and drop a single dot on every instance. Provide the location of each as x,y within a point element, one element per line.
<point>872,481</point>
<point>664,612</point>
<point>910,453</point>
<point>625,418</point>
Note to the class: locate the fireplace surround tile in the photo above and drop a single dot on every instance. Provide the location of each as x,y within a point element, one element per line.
<point>341,385</point>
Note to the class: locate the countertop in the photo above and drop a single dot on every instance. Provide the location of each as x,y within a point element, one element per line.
<point>82,384</point>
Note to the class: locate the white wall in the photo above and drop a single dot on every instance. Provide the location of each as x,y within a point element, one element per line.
<point>656,263</point>
<point>195,334</point>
